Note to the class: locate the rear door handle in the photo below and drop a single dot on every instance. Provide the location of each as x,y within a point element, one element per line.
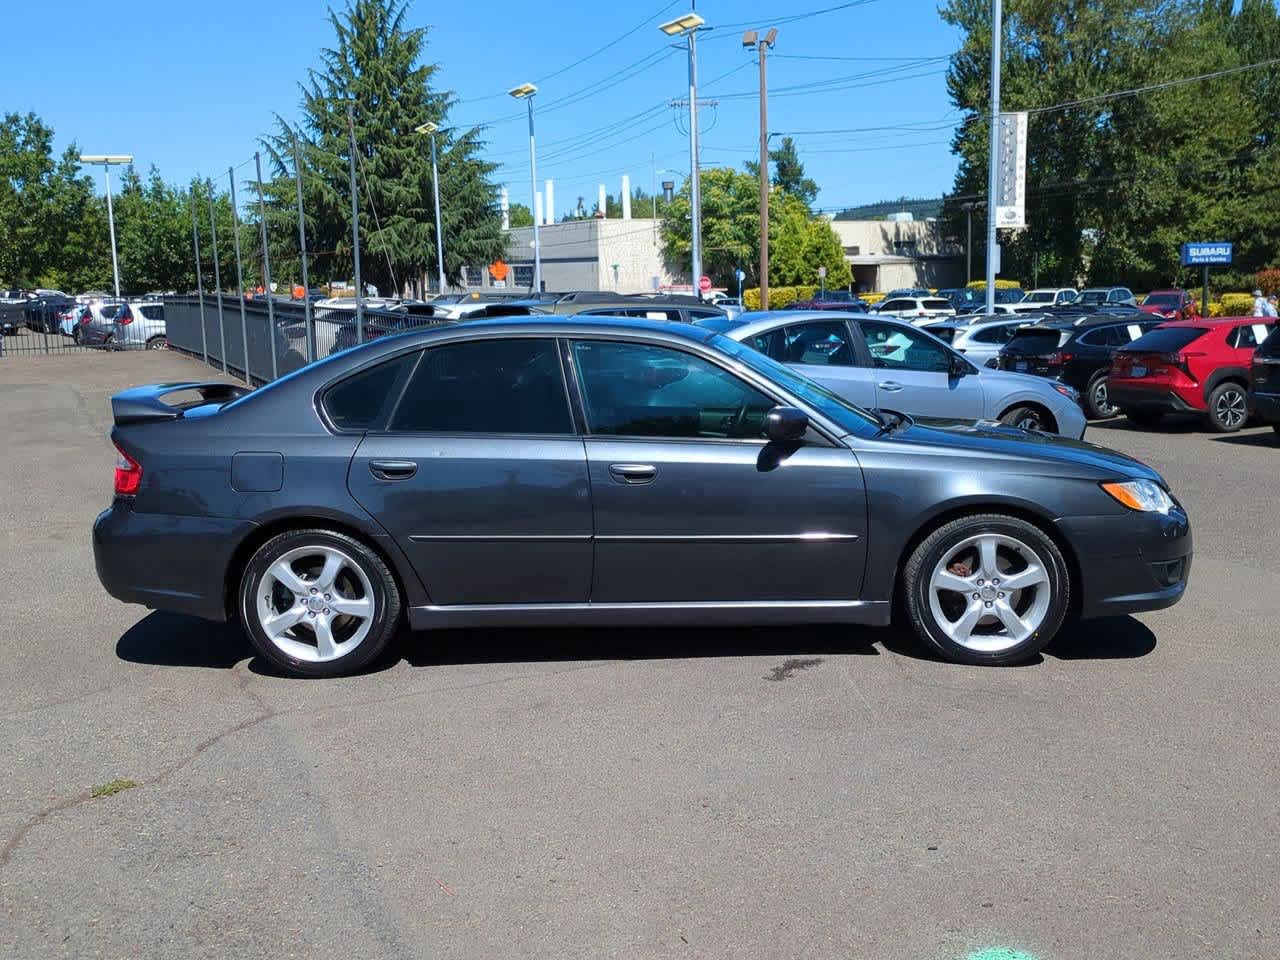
<point>633,472</point>
<point>393,469</point>
<point>889,386</point>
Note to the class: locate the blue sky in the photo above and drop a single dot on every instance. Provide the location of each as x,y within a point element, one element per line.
<point>189,86</point>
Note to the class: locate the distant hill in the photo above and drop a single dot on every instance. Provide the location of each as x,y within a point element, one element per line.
<point>922,208</point>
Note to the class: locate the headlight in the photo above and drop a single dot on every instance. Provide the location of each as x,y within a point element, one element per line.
<point>1068,391</point>
<point>1142,495</point>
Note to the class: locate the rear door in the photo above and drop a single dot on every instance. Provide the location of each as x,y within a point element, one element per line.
<point>480,476</point>
<point>825,351</point>
<point>913,373</point>
<point>692,504</point>
<point>1266,366</point>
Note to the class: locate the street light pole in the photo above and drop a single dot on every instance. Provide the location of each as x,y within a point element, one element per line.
<point>688,26</point>
<point>762,44</point>
<point>430,129</point>
<point>108,160</point>
<point>526,92</point>
<point>993,161</point>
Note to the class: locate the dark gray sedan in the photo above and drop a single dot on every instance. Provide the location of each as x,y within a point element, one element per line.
<point>605,472</point>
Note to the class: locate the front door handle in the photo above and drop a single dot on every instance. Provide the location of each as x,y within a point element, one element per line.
<point>889,386</point>
<point>393,469</point>
<point>633,472</point>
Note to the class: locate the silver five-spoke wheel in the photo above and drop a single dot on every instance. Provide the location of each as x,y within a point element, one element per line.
<point>989,592</point>
<point>315,604</point>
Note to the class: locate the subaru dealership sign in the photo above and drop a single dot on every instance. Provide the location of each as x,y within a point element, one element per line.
<point>1206,254</point>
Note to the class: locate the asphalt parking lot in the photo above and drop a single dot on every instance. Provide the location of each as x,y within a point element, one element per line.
<point>628,793</point>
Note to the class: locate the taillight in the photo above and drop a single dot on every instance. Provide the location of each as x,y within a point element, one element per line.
<point>86,317</point>
<point>1059,358</point>
<point>126,316</point>
<point>128,474</point>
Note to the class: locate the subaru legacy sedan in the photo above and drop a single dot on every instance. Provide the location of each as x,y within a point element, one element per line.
<point>608,472</point>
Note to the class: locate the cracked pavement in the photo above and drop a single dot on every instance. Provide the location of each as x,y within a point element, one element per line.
<point>627,793</point>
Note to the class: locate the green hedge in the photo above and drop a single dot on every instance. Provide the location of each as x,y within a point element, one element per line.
<point>779,297</point>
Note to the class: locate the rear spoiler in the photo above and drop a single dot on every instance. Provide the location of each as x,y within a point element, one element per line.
<point>143,404</point>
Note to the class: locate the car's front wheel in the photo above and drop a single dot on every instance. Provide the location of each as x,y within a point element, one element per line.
<point>1228,407</point>
<point>1026,417</point>
<point>318,603</point>
<point>1097,400</point>
<point>987,589</point>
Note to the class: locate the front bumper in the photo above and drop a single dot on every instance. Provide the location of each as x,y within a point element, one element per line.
<point>166,562</point>
<point>1132,562</point>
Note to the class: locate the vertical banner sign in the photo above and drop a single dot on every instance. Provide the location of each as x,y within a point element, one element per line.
<point>1011,196</point>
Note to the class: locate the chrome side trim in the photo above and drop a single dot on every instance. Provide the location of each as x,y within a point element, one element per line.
<point>817,537</point>
<point>502,537</point>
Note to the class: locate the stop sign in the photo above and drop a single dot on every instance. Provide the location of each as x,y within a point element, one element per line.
<point>704,284</point>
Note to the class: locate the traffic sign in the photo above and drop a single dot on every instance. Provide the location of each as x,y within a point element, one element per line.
<point>704,284</point>
<point>740,274</point>
<point>822,272</point>
<point>1206,254</point>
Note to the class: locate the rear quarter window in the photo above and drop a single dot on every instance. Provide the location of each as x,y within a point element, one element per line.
<point>363,400</point>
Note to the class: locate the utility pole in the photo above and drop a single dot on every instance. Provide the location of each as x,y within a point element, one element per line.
<point>195,242</point>
<point>217,278</point>
<point>355,225</point>
<point>993,171</point>
<point>762,44</point>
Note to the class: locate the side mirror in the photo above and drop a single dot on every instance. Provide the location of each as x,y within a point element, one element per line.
<point>783,424</point>
<point>959,366</point>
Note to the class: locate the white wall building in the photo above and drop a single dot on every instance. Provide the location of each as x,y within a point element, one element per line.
<point>889,254</point>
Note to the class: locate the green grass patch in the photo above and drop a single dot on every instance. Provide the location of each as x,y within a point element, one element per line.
<point>112,788</point>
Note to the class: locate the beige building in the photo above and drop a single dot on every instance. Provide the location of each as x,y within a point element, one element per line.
<point>624,256</point>
<point>890,254</point>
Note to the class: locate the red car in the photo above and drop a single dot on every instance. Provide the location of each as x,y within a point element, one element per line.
<point>1188,366</point>
<point>1172,304</point>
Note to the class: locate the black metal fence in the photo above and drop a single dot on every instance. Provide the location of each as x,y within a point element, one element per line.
<point>41,326</point>
<point>234,334</point>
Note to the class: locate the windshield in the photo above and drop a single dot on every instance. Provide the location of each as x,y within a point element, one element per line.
<point>1091,297</point>
<point>830,405</point>
<point>1040,296</point>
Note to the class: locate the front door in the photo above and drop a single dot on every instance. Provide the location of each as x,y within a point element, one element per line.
<point>913,374</point>
<point>480,477</point>
<point>691,504</point>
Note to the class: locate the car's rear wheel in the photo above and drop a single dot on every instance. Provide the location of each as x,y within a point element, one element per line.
<point>987,589</point>
<point>1026,417</point>
<point>76,336</point>
<point>1228,407</point>
<point>158,343</point>
<point>318,603</point>
<point>1144,418</point>
<point>1097,400</point>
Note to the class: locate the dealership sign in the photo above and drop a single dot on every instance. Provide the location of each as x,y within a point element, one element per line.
<point>1206,254</point>
<point>1011,171</point>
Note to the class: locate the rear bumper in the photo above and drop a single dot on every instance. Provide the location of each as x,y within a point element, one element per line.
<point>166,562</point>
<point>1127,395</point>
<point>1130,563</point>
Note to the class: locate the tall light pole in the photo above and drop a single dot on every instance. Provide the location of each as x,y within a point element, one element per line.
<point>526,92</point>
<point>430,130</point>
<point>993,172</point>
<point>688,26</point>
<point>108,160</point>
<point>762,44</point>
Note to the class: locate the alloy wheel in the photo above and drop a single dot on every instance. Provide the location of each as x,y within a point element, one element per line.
<point>990,592</point>
<point>1101,399</point>
<point>315,604</point>
<point>1231,408</point>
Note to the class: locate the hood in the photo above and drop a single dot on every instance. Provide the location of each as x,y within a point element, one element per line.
<point>1057,455</point>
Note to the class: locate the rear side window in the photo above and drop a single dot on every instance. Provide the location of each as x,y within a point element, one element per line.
<point>937,304</point>
<point>824,343</point>
<point>153,312</point>
<point>486,386</point>
<point>1042,340</point>
<point>364,400</point>
<point>1166,339</point>
<point>1001,334</point>
<point>1246,338</point>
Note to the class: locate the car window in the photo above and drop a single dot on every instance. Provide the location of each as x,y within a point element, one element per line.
<point>1247,337</point>
<point>897,347</point>
<point>1166,339</point>
<point>821,343</point>
<point>1271,346</point>
<point>153,312</point>
<point>640,390</point>
<point>937,304</point>
<point>897,305</point>
<point>486,386</point>
<point>1000,334</point>
<point>363,400</point>
<point>696,313</point>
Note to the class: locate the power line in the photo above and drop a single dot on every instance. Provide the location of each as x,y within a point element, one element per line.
<point>1134,91</point>
<point>791,17</point>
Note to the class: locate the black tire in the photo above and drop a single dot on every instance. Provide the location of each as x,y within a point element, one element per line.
<point>920,567</point>
<point>158,342</point>
<point>1096,402</point>
<point>76,336</point>
<point>1028,417</point>
<point>1228,407</point>
<point>384,592</point>
<point>1144,418</point>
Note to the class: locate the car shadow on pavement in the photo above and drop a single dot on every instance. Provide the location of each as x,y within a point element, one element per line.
<point>1263,438</point>
<point>173,640</point>
<point>512,645</point>
<point>1112,638</point>
<point>1171,424</point>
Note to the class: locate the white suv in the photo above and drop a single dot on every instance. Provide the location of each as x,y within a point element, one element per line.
<point>1044,297</point>
<point>918,310</point>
